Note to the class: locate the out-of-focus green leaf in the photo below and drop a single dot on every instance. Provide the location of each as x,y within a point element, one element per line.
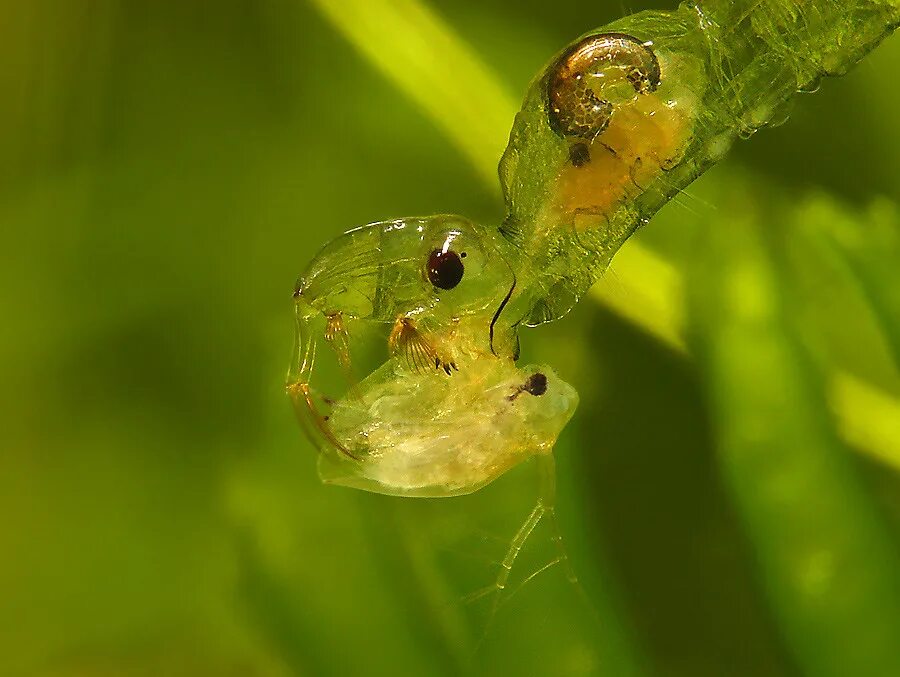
<point>841,280</point>
<point>167,171</point>
<point>871,420</point>
<point>869,246</point>
<point>868,416</point>
<point>425,58</point>
<point>827,563</point>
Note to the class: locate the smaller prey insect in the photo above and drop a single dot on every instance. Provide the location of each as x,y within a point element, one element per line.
<point>443,414</point>
<point>420,316</point>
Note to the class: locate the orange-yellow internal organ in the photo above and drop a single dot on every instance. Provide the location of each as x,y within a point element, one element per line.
<point>642,139</point>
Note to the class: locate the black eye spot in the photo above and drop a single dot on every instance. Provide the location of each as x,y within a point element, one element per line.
<point>536,384</point>
<point>579,154</point>
<point>445,269</point>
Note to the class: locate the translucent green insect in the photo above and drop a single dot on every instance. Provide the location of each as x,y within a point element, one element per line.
<point>420,316</point>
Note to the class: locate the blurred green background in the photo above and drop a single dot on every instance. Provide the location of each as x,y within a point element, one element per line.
<point>166,171</point>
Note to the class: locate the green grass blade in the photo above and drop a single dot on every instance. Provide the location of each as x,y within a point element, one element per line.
<point>411,46</point>
<point>869,246</point>
<point>827,562</point>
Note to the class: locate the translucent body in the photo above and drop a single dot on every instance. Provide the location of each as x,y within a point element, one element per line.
<point>424,434</point>
<point>448,410</point>
<point>377,271</point>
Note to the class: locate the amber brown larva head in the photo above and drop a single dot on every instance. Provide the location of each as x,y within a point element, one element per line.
<point>586,83</point>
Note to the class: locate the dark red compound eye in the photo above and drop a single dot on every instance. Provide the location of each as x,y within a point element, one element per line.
<point>445,268</point>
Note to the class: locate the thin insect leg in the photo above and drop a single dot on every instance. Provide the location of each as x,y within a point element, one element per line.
<point>548,497</point>
<point>506,565</point>
<point>545,506</point>
<point>337,336</point>
<point>610,149</point>
<point>301,394</point>
<point>549,565</point>
<point>544,509</point>
<point>562,553</point>
<point>477,595</point>
<point>547,465</point>
<point>513,551</point>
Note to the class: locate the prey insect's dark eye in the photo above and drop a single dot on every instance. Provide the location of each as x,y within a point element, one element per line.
<point>445,268</point>
<point>536,384</point>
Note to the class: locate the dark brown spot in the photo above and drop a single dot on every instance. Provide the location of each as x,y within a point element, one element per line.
<point>579,154</point>
<point>445,269</point>
<point>536,384</point>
